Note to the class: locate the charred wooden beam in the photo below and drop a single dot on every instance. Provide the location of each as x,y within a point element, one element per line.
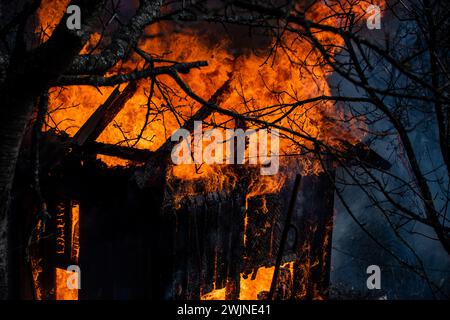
<point>123,152</point>
<point>235,265</point>
<point>156,165</point>
<point>104,114</point>
<point>63,217</point>
<point>362,153</point>
<point>54,142</point>
<point>284,236</point>
<point>204,112</point>
<point>67,241</point>
<point>314,226</point>
<point>236,246</point>
<point>210,254</point>
<point>264,214</point>
<point>42,249</point>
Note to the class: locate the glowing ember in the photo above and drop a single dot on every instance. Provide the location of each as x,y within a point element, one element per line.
<point>249,289</point>
<point>74,255</point>
<point>62,291</point>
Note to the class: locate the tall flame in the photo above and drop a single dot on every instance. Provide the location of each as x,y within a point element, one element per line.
<point>257,82</point>
<point>262,87</point>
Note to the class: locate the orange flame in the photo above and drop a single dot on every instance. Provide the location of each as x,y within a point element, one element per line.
<point>62,291</point>
<point>262,87</point>
<point>250,289</point>
<point>257,82</point>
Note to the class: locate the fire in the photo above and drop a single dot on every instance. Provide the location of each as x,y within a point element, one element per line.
<point>262,87</point>
<point>250,289</point>
<point>74,255</point>
<point>62,291</point>
<point>257,83</point>
<point>35,264</point>
<point>49,14</point>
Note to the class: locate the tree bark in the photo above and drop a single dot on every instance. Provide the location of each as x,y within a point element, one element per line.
<point>30,74</point>
<point>11,133</point>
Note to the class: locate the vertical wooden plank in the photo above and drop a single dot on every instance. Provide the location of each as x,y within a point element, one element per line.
<point>209,230</point>
<point>312,267</point>
<point>263,231</point>
<point>236,245</point>
<point>223,218</point>
<point>47,252</point>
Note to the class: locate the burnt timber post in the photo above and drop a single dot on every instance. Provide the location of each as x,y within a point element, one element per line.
<point>315,226</point>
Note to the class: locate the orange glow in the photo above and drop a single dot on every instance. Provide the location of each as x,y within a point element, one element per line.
<point>249,289</point>
<point>49,14</point>
<point>36,263</point>
<point>75,234</point>
<point>260,84</point>
<point>284,78</point>
<point>62,291</point>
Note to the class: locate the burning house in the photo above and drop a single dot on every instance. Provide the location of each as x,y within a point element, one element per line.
<point>97,189</point>
<point>138,225</point>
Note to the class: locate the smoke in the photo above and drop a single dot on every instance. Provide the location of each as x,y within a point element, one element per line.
<point>353,250</point>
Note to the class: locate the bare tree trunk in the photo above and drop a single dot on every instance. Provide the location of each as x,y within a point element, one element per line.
<point>15,118</point>
<point>30,74</point>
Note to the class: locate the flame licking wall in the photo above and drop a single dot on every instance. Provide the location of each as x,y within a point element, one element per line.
<point>217,234</point>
